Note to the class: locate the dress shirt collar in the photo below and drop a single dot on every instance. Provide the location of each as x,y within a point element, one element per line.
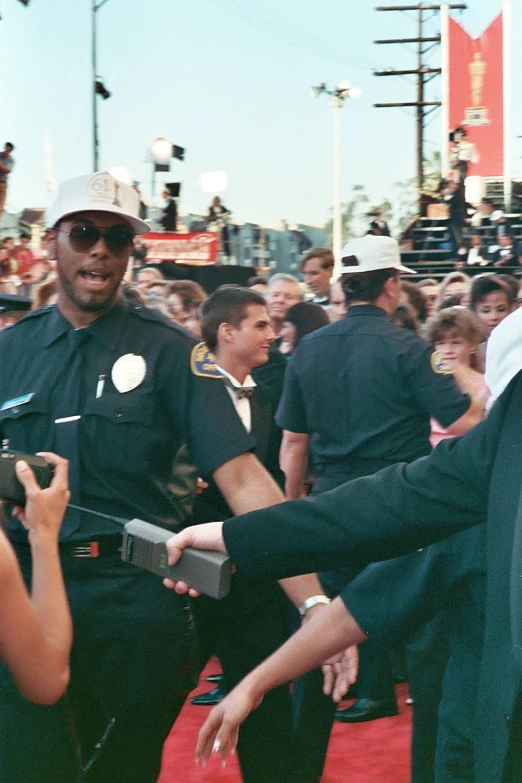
<point>106,329</point>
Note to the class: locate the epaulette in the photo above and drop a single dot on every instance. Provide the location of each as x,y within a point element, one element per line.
<point>33,314</point>
<point>440,365</point>
<point>203,362</point>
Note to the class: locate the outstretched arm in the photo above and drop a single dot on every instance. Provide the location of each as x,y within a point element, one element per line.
<point>326,633</point>
<point>36,629</point>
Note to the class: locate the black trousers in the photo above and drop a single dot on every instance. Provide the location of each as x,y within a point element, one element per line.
<point>313,712</point>
<point>133,663</point>
<point>245,628</point>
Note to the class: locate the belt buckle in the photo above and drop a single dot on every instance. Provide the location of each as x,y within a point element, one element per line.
<point>91,549</point>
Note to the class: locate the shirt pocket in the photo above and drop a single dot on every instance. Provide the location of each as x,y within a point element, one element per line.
<point>119,434</point>
<point>25,426</point>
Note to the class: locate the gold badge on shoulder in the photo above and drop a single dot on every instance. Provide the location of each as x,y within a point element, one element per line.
<point>203,362</point>
<point>440,365</point>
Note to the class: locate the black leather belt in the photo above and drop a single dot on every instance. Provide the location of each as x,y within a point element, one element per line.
<point>98,547</point>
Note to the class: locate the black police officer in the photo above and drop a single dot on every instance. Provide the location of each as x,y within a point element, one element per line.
<point>121,393</point>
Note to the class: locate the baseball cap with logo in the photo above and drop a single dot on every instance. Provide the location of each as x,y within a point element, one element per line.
<point>99,192</point>
<point>371,253</point>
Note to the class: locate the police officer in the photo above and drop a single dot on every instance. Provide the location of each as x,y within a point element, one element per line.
<point>124,395</point>
<point>358,396</point>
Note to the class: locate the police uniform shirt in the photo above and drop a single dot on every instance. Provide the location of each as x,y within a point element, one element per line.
<point>372,386</point>
<point>128,440</point>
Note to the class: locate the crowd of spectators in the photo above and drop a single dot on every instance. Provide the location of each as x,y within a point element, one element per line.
<point>457,314</point>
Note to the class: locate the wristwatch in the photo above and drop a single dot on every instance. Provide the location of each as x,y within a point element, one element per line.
<point>312,601</point>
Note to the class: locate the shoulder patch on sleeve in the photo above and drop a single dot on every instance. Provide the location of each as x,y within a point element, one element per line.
<point>203,362</point>
<point>440,365</point>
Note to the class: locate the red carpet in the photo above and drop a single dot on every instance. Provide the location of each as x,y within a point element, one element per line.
<point>374,752</point>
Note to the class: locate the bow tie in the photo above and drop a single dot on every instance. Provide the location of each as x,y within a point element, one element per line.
<point>241,392</point>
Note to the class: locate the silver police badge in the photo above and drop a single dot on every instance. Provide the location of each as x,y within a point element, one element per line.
<point>128,372</point>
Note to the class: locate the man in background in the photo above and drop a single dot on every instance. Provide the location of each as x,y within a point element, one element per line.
<point>6,166</point>
<point>317,268</point>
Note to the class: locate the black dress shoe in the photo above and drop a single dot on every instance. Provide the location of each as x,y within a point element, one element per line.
<point>211,697</point>
<point>367,709</point>
<point>219,677</point>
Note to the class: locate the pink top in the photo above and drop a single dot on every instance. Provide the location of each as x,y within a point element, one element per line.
<point>438,433</point>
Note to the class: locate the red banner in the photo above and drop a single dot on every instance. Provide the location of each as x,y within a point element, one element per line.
<point>198,248</point>
<point>476,95</point>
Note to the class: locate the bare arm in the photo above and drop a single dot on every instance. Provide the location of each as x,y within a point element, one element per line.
<point>328,632</point>
<point>475,413</point>
<point>247,486</point>
<point>5,169</point>
<point>293,460</point>
<point>36,630</point>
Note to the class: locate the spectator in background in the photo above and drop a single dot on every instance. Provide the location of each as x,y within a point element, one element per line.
<point>455,283</point>
<point>45,295</point>
<point>148,274</point>
<point>219,215</point>
<point>184,298</point>
<point>406,317</point>
<point>477,253</point>
<point>317,268</point>
<point>8,279</point>
<point>301,319</point>
<point>505,255</point>
<point>338,306</point>
<point>169,214</point>
<point>156,288</point>
<point>378,226</point>
<point>6,166</point>
<point>282,292</point>
<point>25,259</point>
<point>139,252</point>
<point>491,300</point>
<point>456,334</point>
<point>415,297</point>
<point>430,289</point>
<point>258,284</point>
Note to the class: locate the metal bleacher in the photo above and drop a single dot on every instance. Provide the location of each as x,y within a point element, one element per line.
<point>431,251</point>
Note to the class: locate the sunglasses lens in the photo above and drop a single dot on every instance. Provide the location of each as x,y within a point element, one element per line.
<point>118,238</point>
<point>83,237</point>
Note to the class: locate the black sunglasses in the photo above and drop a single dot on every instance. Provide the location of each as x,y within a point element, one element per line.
<point>83,237</point>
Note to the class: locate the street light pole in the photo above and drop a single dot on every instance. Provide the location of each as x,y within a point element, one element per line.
<point>336,103</point>
<point>96,85</point>
<point>338,95</point>
<point>95,140</point>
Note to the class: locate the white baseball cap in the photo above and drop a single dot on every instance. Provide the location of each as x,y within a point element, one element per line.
<point>99,192</point>
<point>371,253</point>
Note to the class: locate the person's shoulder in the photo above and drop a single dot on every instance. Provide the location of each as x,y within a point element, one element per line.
<point>156,321</point>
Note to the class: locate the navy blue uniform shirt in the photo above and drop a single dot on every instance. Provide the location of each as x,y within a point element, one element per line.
<point>128,440</point>
<point>364,390</point>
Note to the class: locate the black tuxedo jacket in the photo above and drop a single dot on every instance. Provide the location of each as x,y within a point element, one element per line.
<point>462,483</point>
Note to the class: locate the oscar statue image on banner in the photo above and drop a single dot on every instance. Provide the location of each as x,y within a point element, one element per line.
<point>476,114</point>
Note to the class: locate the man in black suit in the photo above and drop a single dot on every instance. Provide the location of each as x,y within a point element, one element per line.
<point>464,482</point>
<point>251,622</point>
<point>169,214</point>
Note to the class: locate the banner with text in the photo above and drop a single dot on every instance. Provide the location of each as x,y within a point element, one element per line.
<point>197,248</point>
<point>476,100</point>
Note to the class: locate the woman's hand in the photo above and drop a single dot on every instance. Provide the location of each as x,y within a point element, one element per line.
<point>44,508</point>
<point>220,731</point>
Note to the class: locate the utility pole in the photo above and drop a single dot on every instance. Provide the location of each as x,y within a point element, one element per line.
<point>423,73</point>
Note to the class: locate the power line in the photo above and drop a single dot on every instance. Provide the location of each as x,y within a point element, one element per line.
<point>296,38</point>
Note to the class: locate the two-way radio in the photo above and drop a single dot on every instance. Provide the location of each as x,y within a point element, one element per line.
<point>143,545</point>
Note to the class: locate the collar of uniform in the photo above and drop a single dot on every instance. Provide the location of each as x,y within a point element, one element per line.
<point>366,309</point>
<point>105,329</point>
